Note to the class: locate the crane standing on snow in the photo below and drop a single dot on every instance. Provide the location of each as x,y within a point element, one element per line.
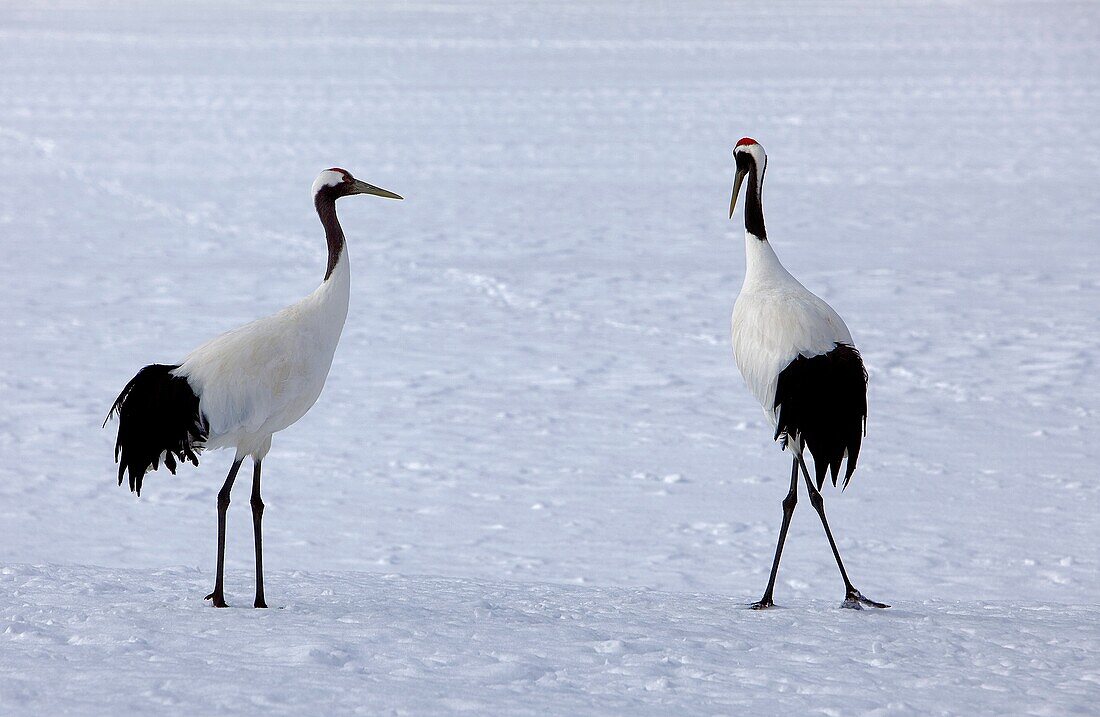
<point>243,386</point>
<point>799,361</point>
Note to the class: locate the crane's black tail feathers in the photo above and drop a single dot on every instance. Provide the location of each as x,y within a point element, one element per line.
<point>823,400</point>
<point>158,415</point>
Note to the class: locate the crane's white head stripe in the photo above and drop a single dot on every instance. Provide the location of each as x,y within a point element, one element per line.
<point>329,178</point>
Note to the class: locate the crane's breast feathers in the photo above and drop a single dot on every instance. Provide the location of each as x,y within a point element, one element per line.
<point>771,329</point>
<point>258,379</point>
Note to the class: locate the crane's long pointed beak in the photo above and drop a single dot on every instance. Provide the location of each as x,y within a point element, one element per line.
<point>364,188</point>
<point>736,190</point>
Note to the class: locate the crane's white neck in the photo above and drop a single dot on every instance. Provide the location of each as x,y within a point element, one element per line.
<point>332,298</point>
<point>339,271</point>
<point>762,266</point>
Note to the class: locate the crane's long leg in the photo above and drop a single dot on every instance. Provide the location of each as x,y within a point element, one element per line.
<point>852,597</point>
<point>223,505</point>
<point>788,511</point>
<point>257,519</point>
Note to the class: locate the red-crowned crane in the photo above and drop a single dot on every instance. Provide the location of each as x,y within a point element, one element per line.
<point>238,389</point>
<point>799,361</point>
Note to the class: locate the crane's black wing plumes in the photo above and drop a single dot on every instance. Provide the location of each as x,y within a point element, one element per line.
<point>158,414</point>
<point>823,399</point>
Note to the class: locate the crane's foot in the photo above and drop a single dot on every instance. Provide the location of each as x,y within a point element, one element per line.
<point>762,604</point>
<point>855,601</point>
<point>260,602</point>
<point>217,598</point>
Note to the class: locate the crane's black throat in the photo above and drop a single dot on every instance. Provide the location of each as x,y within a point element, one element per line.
<point>325,202</point>
<point>754,208</point>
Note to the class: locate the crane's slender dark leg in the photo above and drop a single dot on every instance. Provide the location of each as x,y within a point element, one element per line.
<point>257,518</point>
<point>223,505</point>
<point>852,597</point>
<point>788,511</point>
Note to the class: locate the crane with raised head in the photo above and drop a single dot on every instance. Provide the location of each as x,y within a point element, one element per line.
<point>800,362</point>
<point>239,389</point>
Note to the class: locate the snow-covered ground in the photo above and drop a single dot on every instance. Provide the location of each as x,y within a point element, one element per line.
<point>535,482</point>
<point>137,641</point>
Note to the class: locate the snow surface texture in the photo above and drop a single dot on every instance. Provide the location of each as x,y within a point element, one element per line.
<point>535,402</point>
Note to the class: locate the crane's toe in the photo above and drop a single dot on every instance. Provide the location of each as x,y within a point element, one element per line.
<point>762,604</point>
<point>854,600</point>
<point>217,598</point>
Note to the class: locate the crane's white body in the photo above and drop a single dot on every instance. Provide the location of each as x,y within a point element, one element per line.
<point>792,348</point>
<point>243,386</point>
<point>776,319</point>
<point>260,378</point>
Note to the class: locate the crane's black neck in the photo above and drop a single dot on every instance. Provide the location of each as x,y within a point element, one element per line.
<point>326,210</point>
<point>754,208</point>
